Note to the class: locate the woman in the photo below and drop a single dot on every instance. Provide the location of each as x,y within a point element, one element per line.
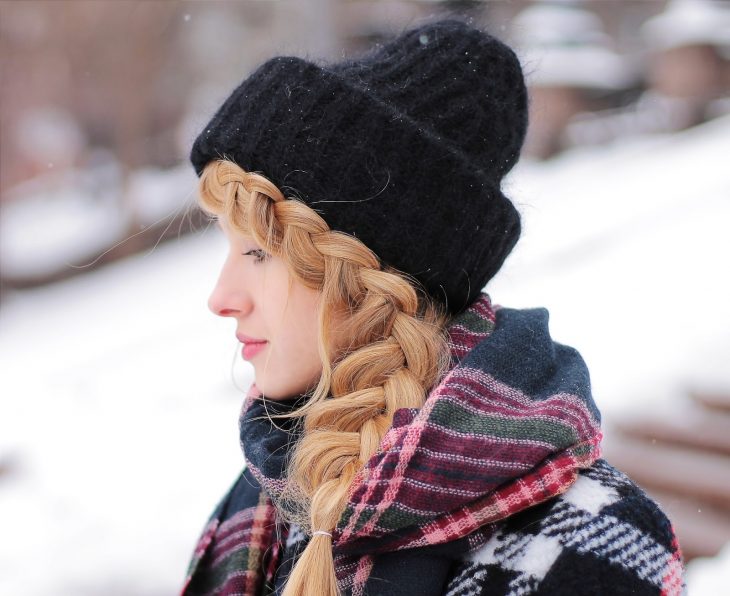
<point>403,435</point>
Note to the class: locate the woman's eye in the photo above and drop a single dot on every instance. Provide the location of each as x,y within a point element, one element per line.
<point>260,255</point>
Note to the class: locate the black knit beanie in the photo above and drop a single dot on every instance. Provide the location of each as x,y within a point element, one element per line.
<point>404,148</point>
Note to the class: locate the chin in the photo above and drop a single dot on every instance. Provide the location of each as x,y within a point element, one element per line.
<point>277,392</point>
<point>275,397</point>
<point>271,391</point>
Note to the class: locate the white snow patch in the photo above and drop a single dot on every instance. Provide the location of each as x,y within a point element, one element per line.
<point>627,248</point>
<point>118,424</point>
<point>69,219</point>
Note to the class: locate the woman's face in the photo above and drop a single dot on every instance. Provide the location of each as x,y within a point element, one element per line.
<point>270,306</point>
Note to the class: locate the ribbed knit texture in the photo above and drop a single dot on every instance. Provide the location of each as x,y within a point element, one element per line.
<point>404,148</point>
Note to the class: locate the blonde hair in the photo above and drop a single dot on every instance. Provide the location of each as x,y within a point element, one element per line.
<point>395,353</point>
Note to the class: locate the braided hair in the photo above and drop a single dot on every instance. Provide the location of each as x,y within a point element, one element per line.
<point>394,351</point>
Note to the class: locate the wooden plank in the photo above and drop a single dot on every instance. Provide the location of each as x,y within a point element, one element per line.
<point>689,472</point>
<point>717,400</point>
<point>702,529</point>
<point>693,426</point>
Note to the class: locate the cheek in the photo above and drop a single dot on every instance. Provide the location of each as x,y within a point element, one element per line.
<point>304,333</point>
<point>306,328</point>
<point>296,322</point>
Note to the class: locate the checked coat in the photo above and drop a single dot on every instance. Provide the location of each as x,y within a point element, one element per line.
<point>494,486</point>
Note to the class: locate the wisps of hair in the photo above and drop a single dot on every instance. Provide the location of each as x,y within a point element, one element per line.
<point>388,349</point>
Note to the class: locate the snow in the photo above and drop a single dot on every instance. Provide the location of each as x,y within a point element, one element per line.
<point>48,134</point>
<point>53,229</point>
<point>121,392</point>
<point>689,22</point>
<point>70,218</point>
<point>118,424</point>
<point>155,195</point>
<point>563,45</point>
<point>627,247</point>
<point>708,575</point>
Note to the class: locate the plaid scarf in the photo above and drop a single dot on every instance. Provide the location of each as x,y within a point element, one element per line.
<point>509,426</point>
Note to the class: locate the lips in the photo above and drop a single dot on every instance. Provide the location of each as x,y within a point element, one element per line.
<point>251,345</point>
<point>245,339</point>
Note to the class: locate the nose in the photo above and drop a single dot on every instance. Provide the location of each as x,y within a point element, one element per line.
<point>229,297</point>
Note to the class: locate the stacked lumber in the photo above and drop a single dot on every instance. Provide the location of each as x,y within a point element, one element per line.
<point>680,456</point>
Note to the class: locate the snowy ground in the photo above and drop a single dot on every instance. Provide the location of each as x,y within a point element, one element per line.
<point>68,219</point>
<point>118,425</point>
<point>628,247</point>
<point>120,391</point>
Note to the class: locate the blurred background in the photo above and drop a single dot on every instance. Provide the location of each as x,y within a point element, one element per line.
<point>120,392</point>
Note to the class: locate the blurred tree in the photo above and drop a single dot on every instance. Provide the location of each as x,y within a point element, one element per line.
<point>111,65</point>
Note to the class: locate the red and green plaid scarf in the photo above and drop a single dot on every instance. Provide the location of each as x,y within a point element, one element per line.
<point>508,427</point>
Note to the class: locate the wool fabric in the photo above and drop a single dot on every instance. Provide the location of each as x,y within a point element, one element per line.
<point>404,148</point>
<point>494,486</point>
<point>603,536</point>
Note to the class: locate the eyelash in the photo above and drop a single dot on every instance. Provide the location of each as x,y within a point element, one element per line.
<point>260,255</point>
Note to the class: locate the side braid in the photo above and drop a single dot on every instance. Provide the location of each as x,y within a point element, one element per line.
<point>388,350</point>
